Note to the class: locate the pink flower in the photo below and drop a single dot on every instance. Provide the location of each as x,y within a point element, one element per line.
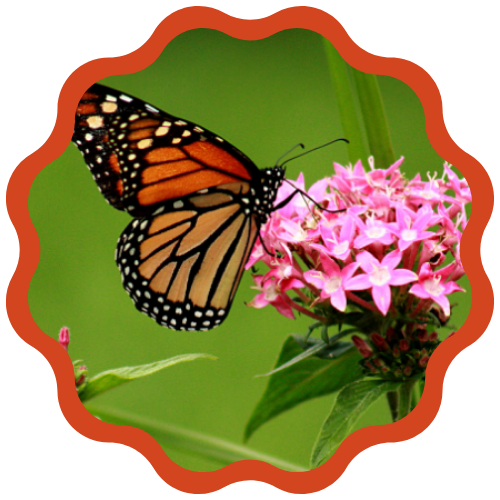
<point>373,231</point>
<point>337,246</point>
<point>409,231</point>
<point>333,281</point>
<point>380,276</point>
<point>431,286</point>
<point>272,293</point>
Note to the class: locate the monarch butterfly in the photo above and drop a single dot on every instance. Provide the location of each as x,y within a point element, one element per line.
<point>197,202</point>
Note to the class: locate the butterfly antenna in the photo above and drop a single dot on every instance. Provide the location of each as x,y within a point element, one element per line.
<point>288,152</point>
<point>287,200</point>
<point>311,150</point>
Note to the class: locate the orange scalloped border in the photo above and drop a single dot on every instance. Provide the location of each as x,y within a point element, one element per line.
<point>17,295</point>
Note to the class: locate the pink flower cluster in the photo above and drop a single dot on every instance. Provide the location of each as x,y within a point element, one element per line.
<point>394,248</point>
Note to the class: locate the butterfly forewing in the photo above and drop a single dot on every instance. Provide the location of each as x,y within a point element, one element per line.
<point>141,157</point>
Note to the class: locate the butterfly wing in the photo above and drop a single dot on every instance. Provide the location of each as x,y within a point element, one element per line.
<point>142,157</point>
<point>182,265</point>
<point>198,202</point>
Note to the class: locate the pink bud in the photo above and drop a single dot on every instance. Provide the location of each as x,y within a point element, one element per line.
<point>407,371</point>
<point>81,379</point>
<point>433,337</point>
<point>391,334</point>
<point>362,346</point>
<point>423,336</point>
<point>423,362</point>
<point>404,345</point>
<point>371,367</point>
<point>64,337</point>
<point>380,342</point>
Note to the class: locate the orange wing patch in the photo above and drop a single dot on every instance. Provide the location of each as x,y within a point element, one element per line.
<point>213,156</point>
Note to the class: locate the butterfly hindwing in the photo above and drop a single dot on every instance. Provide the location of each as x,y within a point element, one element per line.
<point>182,265</point>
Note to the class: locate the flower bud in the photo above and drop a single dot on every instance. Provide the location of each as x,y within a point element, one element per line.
<point>362,346</point>
<point>423,336</point>
<point>81,373</point>
<point>404,345</point>
<point>378,362</point>
<point>64,338</point>
<point>380,342</point>
<point>433,337</point>
<point>371,367</point>
<point>391,334</point>
<point>407,371</point>
<point>396,353</point>
<point>423,362</point>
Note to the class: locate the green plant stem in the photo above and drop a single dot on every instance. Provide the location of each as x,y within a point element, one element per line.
<point>405,398</point>
<point>194,443</point>
<point>372,109</point>
<point>393,400</point>
<point>361,302</point>
<point>345,94</point>
<point>303,310</point>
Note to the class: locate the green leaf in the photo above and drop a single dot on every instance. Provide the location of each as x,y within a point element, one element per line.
<point>110,379</point>
<point>307,379</point>
<point>350,403</point>
<point>315,348</point>
<point>171,437</point>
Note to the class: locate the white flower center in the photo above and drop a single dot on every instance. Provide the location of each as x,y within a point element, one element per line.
<point>433,286</point>
<point>376,232</point>
<point>270,294</point>
<point>408,234</point>
<point>341,247</point>
<point>333,284</point>
<point>380,275</point>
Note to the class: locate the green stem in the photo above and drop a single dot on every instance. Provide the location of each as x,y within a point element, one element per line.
<point>393,400</point>
<point>372,109</point>
<point>345,94</point>
<point>405,398</point>
<point>194,443</point>
<point>303,310</point>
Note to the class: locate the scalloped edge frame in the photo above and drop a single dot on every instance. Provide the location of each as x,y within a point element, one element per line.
<point>17,295</point>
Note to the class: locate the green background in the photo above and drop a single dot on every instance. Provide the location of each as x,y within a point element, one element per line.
<point>264,97</point>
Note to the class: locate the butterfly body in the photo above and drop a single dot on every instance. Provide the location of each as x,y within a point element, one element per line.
<point>198,204</point>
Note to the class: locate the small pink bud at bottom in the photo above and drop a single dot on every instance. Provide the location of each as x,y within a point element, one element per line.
<point>407,371</point>
<point>64,337</point>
